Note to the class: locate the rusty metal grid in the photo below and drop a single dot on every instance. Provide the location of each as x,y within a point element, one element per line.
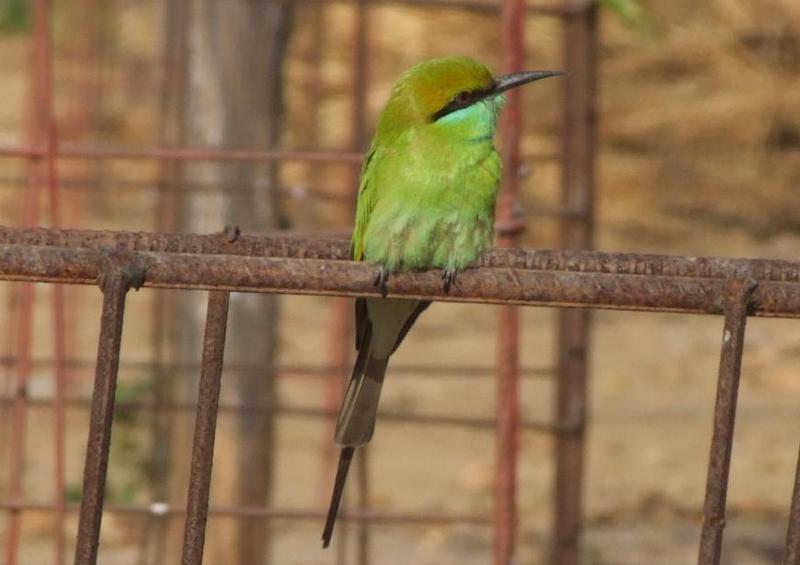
<point>224,263</point>
<point>117,261</point>
<point>92,260</point>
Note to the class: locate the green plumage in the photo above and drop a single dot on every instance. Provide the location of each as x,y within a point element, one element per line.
<point>426,201</point>
<point>428,187</point>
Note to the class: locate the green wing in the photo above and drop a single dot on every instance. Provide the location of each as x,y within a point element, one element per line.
<point>366,202</point>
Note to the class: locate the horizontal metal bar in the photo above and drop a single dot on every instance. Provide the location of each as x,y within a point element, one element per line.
<point>288,371</point>
<point>553,286</point>
<point>552,10</point>
<point>181,154</point>
<point>372,516</point>
<point>73,152</point>
<point>332,247</point>
<point>296,411</point>
<point>301,192</point>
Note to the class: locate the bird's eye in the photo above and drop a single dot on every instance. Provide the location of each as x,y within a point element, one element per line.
<point>463,97</point>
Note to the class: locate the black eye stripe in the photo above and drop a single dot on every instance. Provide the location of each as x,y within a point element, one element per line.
<point>461,100</point>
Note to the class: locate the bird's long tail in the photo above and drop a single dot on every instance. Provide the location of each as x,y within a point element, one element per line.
<point>345,457</point>
<point>381,325</point>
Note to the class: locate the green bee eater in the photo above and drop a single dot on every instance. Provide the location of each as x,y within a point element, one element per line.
<point>426,201</point>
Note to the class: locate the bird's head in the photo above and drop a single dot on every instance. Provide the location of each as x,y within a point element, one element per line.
<point>458,94</point>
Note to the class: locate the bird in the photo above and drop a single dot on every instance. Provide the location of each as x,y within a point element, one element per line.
<point>426,201</point>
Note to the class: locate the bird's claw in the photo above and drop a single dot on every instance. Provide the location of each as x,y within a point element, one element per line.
<point>380,280</point>
<point>449,278</point>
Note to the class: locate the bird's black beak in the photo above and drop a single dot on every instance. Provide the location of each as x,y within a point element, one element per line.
<point>514,80</point>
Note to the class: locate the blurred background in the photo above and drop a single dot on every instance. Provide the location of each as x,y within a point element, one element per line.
<point>698,154</point>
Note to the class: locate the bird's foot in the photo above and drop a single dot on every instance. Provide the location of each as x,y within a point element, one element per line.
<point>449,278</point>
<point>380,280</point>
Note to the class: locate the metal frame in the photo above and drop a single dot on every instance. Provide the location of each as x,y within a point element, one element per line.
<point>117,261</point>
<point>511,281</point>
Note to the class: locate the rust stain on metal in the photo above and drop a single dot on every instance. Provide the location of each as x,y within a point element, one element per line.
<point>792,554</point>
<point>339,277</point>
<point>509,224</point>
<point>284,514</point>
<point>300,411</point>
<point>205,428</point>
<point>737,294</point>
<point>577,231</point>
<point>114,283</point>
<point>288,245</point>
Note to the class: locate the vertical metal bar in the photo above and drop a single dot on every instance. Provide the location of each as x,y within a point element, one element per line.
<point>736,299</point>
<point>792,554</point>
<point>205,428</point>
<point>165,313</point>
<point>362,477</point>
<point>60,377</point>
<point>505,512</point>
<point>339,356</point>
<point>17,443</point>
<point>40,92</point>
<point>49,134</point>
<point>578,186</point>
<point>509,224</point>
<point>315,130</point>
<point>360,77</point>
<point>341,335</point>
<point>81,112</point>
<point>115,286</point>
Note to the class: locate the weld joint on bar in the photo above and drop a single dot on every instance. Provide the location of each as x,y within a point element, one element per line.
<point>738,293</point>
<point>130,266</point>
<point>231,233</point>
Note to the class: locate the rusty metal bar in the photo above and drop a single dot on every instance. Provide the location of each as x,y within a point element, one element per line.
<point>507,435</point>
<point>181,154</point>
<point>363,480</point>
<point>792,554</point>
<point>503,285</point>
<point>577,232</point>
<point>48,126</point>
<point>330,247</point>
<point>375,517</point>
<point>299,411</point>
<point>171,210</point>
<point>359,127</point>
<point>75,152</point>
<point>18,424</point>
<point>115,281</point>
<point>292,371</point>
<point>509,223</point>
<point>737,296</point>
<point>205,428</point>
<point>37,123</point>
<point>59,445</point>
<point>490,7</point>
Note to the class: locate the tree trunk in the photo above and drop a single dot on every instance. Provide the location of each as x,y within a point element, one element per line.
<point>233,99</point>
